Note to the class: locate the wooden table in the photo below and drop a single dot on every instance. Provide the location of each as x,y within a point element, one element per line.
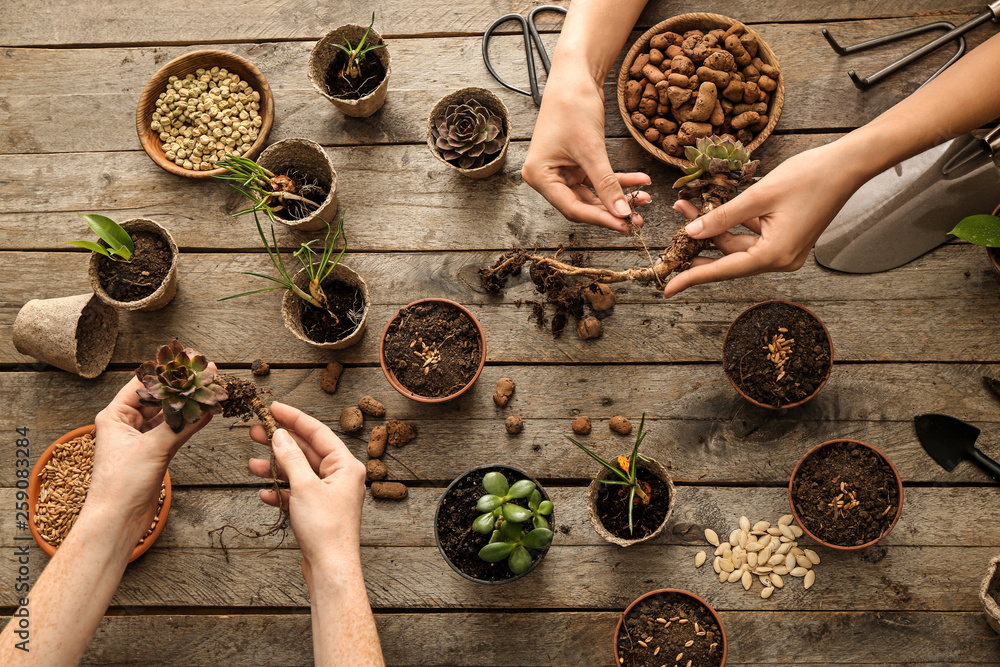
<point>910,341</point>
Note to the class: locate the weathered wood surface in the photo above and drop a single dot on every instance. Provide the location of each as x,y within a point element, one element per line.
<point>71,23</point>
<point>45,114</point>
<point>563,639</point>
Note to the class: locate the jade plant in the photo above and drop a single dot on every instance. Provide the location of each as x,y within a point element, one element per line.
<point>981,230</point>
<point>358,52</point>
<point>119,246</point>
<point>625,472</point>
<point>182,383</point>
<point>505,520</point>
<point>468,135</point>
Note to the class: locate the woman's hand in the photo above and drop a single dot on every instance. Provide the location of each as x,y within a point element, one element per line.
<point>568,156</point>
<point>327,487</point>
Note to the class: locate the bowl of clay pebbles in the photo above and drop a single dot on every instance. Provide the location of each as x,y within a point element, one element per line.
<point>58,487</point>
<point>672,627</point>
<point>202,107</point>
<point>494,524</point>
<point>698,75</point>
<point>777,354</point>
<point>433,350</point>
<point>845,494</point>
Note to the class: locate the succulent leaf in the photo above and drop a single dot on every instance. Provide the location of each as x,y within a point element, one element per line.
<point>468,135</point>
<point>495,483</point>
<point>182,383</point>
<point>519,561</point>
<point>521,489</point>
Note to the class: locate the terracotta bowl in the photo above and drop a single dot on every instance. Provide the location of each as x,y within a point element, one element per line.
<point>397,385</point>
<point>674,591</point>
<point>181,67</point>
<point>819,387</point>
<point>681,24</point>
<point>35,487</point>
<point>802,525</point>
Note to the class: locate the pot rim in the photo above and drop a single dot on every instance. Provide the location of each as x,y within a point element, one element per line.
<point>164,285</point>
<point>308,223</point>
<point>838,547</point>
<point>675,591</point>
<point>375,37</point>
<point>819,387</point>
<point>35,486</point>
<point>489,99</point>
<point>288,316</point>
<point>656,468</point>
<point>398,386</point>
<point>440,503</point>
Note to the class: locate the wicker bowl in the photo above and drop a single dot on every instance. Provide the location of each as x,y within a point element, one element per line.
<point>181,67</point>
<point>681,24</point>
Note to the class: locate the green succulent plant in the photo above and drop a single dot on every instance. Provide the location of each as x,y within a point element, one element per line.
<point>468,135</point>
<point>713,155</point>
<point>505,520</point>
<point>182,383</point>
<point>119,246</point>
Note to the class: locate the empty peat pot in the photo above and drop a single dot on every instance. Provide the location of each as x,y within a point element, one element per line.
<point>35,489</point>
<point>74,333</point>
<point>639,623</point>
<point>460,544</point>
<point>777,354</point>
<point>156,251</point>
<point>324,57</point>
<point>432,350</point>
<point>607,506</point>
<point>846,494</point>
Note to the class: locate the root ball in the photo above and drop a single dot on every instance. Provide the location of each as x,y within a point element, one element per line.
<point>399,432</point>
<point>504,390</point>
<point>389,490</point>
<point>376,442</point>
<point>376,470</point>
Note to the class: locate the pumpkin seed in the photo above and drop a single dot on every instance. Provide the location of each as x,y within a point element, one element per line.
<point>752,559</point>
<point>804,562</point>
<point>776,559</point>
<point>745,524</point>
<point>699,559</point>
<point>761,525</point>
<point>774,531</point>
<point>734,576</point>
<point>766,593</point>
<point>717,565</point>
<point>747,581</point>
<point>786,520</point>
<point>796,531</point>
<point>734,537</point>
<point>790,561</point>
<point>785,547</point>
<point>787,532</point>
<point>812,556</point>
<point>799,572</point>
<point>779,569</point>
<point>764,569</point>
<point>712,537</point>
<point>722,548</point>
<point>723,576</point>
<point>727,565</point>
<point>810,579</point>
<point>776,580</point>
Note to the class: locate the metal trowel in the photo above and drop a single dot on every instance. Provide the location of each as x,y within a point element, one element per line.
<point>908,210</point>
<point>950,441</point>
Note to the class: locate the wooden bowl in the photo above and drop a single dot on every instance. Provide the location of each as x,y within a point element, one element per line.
<point>681,24</point>
<point>35,488</point>
<point>181,67</point>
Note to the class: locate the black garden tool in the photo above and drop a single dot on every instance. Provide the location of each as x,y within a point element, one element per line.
<point>950,441</point>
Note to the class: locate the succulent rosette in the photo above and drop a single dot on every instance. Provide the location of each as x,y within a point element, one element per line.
<point>182,383</point>
<point>469,134</point>
<point>713,155</point>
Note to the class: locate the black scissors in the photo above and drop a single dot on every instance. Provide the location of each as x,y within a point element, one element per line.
<point>530,33</point>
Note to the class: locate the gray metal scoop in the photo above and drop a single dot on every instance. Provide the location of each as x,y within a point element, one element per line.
<point>908,210</point>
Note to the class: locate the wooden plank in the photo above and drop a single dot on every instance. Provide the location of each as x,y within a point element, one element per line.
<point>584,577</point>
<point>46,93</point>
<point>697,422</point>
<point>94,23</point>
<point>570,639</point>
<point>928,517</point>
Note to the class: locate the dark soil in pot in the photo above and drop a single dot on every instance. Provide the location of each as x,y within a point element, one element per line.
<point>142,276</point>
<point>612,507</point>
<point>807,361</point>
<point>305,185</point>
<point>454,526</point>
<point>436,332</point>
<point>343,87</point>
<point>846,494</point>
<point>665,623</point>
<point>347,304</point>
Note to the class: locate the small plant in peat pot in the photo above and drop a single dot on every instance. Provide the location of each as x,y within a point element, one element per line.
<point>469,130</point>
<point>673,627</point>
<point>777,354</point>
<point>633,500</point>
<point>350,67</point>
<point>433,350</point>
<point>982,230</point>
<point>134,266</point>
<point>492,531</point>
<point>845,494</point>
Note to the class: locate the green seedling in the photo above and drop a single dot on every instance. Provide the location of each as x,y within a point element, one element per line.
<point>355,54</point>
<point>119,246</point>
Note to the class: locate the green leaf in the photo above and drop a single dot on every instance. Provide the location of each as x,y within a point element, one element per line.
<point>488,503</point>
<point>545,507</point>
<point>613,468</point>
<point>691,153</point>
<point>534,499</point>
<point>539,522</point>
<point>123,252</point>
<point>496,537</point>
<point>521,489</point>
<point>539,538</point>
<point>511,531</point>
<point>484,524</point>
<point>495,551</point>
<point>495,483</point>
<point>681,182</point>
<point>520,560</point>
<point>95,247</point>
<point>983,230</point>
<point>631,504</point>
<point>109,231</point>
<point>515,513</point>
<point>256,291</point>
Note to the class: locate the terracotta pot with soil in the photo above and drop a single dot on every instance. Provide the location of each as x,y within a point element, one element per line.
<point>56,494</point>
<point>845,494</point>
<point>607,505</point>
<point>433,350</point>
<point>674,626</point>
<point>989,594</point>
<point>304,168</point>
<point>359,96</point>
<point>149,280</point>
<point>777,354</point>
<point>344,321</point>
<point>461,545</point>
<point>74,333</point>
<point>469,130</point>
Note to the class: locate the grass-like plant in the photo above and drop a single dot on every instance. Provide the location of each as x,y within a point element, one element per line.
<point>505,520</point>
<point>269,192</point>
<point>119,244</point>
<point>357,53</point>
<point>624,474</point>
